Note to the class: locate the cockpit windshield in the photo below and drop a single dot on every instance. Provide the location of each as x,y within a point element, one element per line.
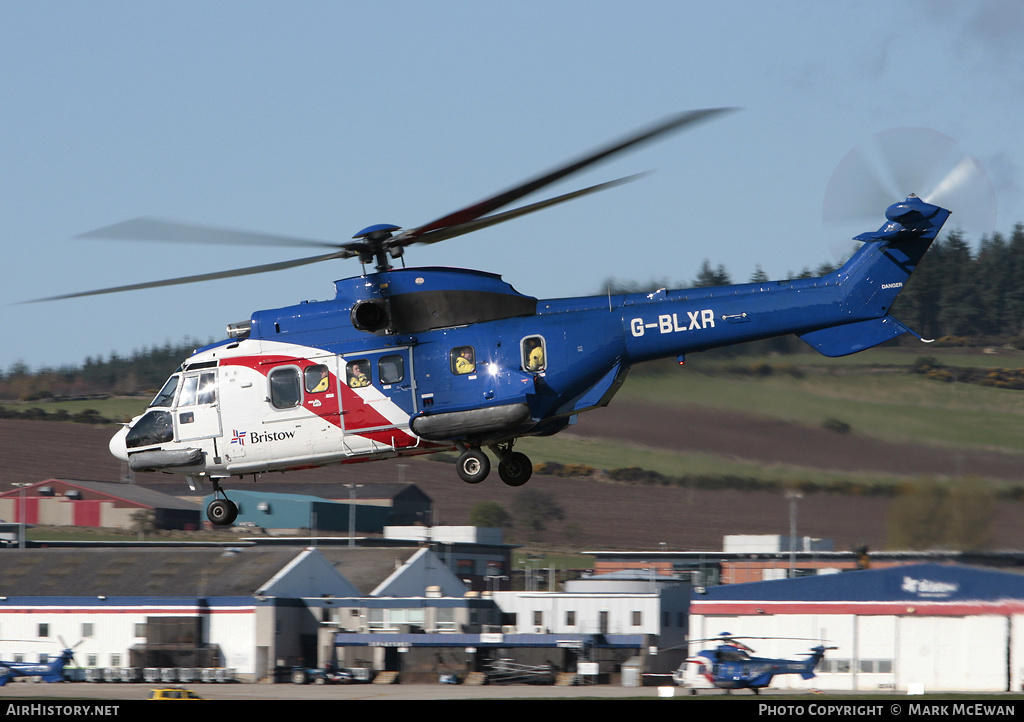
<point>166,395</point>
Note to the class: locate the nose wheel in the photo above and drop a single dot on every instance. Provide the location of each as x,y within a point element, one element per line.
<point>221,511</point>
<point>473,466</point>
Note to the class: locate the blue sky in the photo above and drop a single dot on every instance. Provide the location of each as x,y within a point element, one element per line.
<point>317,119</point>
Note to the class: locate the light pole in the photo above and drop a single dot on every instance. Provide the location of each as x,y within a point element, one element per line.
<point>22,541</point>
<point>352,513</point>
<point>794,497</point>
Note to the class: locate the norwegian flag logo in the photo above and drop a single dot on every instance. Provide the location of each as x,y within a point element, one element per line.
<point>238,437</point>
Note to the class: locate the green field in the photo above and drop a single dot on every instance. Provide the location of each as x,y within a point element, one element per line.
<point>873,392</point>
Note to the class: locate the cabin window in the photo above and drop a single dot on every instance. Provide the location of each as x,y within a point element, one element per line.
<point>357,373</point>
<point>463,360</point>
<point>285,389</point>
<point>534,353</point>
<point>391,369</point>
<point>317,379</point>
<point>637,619</point>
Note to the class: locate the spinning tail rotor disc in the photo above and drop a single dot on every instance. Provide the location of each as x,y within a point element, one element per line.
<point>895,163</point>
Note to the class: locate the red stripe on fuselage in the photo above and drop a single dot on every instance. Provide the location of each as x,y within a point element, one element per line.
<point>360,415</point>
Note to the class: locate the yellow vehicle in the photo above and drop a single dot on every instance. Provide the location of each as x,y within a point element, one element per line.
<point>173,693</point>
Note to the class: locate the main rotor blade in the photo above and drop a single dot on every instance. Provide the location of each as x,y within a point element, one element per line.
<point>444,234</point>
<point>155,229</point>
<point>204,276</point>
<point>488,205</point>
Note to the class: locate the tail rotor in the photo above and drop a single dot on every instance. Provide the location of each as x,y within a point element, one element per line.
<point>896,163</point>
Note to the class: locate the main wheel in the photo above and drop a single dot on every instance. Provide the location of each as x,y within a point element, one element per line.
<point>473,466</point>
<point>222,512</point>
<point>299,676</point>
<point>516,470</point>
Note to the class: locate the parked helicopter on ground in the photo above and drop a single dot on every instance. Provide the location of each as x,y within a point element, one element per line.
<point>50,671</point>
<point>730,666</point>
<point>410,361</point>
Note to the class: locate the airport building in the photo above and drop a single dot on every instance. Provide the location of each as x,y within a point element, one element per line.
<point>901,628</point>
<point>404,607</point>
<point>235,608</point>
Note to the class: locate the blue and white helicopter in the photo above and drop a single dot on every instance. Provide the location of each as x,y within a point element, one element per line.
<point>408,361</point>
<point>729,666</point>
<point>51,671</point>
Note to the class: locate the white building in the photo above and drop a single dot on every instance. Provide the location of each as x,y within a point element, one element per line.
<point>624,603</point>
<point>236,608</point>
<point>930,626</point>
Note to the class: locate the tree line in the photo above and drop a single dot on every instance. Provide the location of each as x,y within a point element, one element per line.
<point>143,372</point>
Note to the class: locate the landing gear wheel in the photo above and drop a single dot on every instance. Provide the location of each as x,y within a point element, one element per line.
<point>473,466</point>
<point>222,512</point>
<point>516,470</point>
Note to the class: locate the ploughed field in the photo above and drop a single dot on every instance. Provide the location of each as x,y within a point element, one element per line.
<point>769,421</point>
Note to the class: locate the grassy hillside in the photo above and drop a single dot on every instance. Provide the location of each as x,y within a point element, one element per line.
<point>874,400</point>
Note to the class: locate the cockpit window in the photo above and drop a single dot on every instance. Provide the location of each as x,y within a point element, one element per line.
<point>187,397</point>
<point>166,395</point>
<point>207,391</point>
<point>155,427</point>
<point>198,389</point>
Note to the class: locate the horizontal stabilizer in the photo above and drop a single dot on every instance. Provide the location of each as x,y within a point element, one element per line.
<point>853,337</point>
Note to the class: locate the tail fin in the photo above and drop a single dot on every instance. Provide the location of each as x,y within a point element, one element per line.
<point>876,275</point>
<point>816,656</point>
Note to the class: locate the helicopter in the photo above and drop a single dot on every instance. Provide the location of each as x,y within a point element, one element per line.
<point>406,361</point>
<point>730,666</point>
<point>52,671</point>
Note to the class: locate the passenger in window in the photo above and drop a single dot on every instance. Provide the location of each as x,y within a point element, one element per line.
<point>357,376</point>
<point>318,379</point>
<point>465,362</point>
<point>534,354</point>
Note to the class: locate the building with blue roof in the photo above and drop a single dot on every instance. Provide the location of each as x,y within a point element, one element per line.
<point>902,628</point>
<point>292,512</point>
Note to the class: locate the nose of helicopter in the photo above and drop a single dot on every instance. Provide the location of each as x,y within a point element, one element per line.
<point>117,444</point>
